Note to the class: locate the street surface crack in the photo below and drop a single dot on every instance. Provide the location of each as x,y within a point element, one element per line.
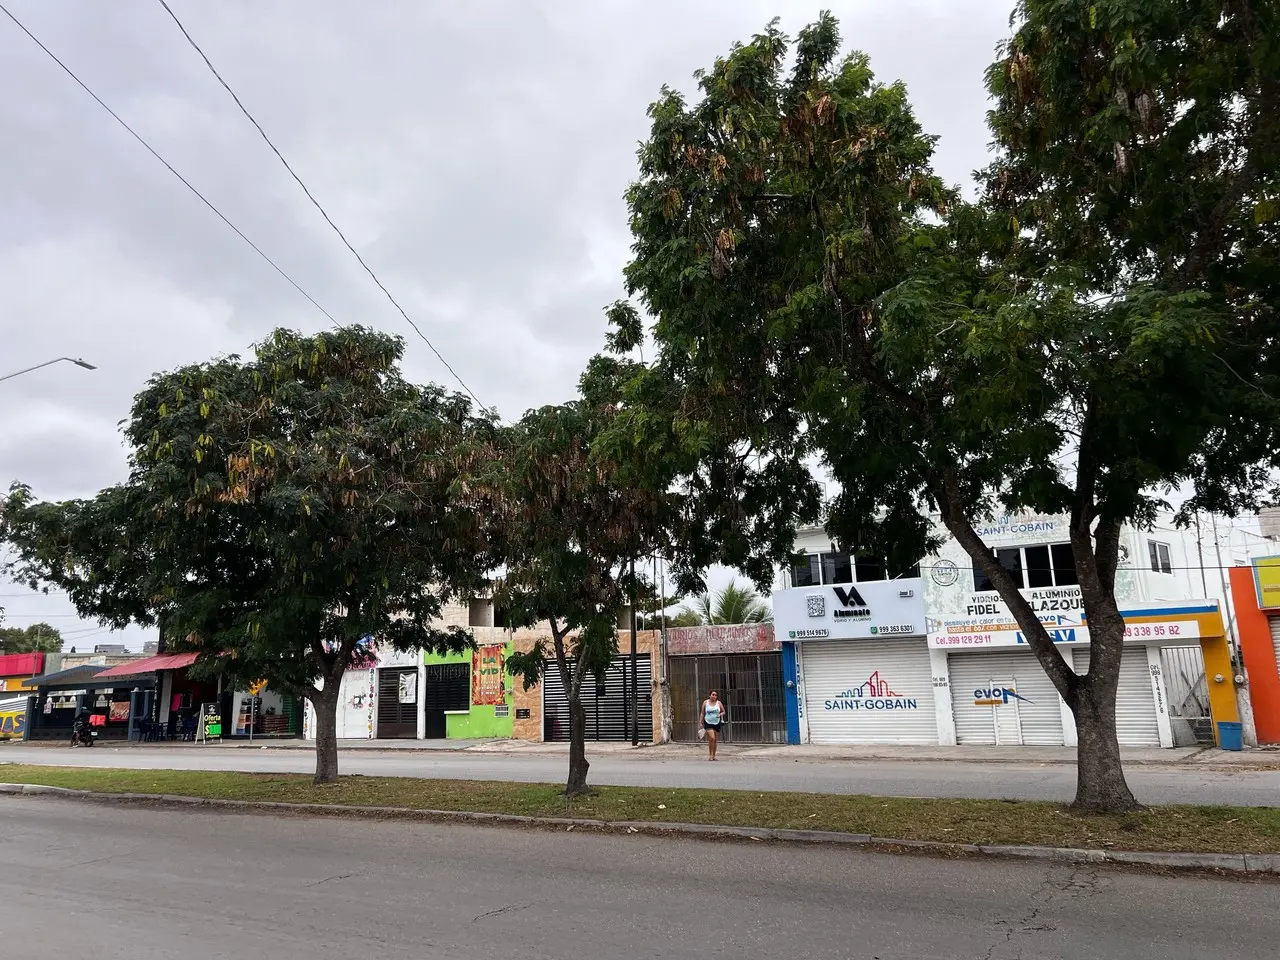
<point>507,909</point>
<point>1061,885</point>
<point>341,876</point>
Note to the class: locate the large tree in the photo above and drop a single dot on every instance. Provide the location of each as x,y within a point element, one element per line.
<point>576,529</point>
<point>1095,331</point>
<point>36,638</point>
<point>279,510</point>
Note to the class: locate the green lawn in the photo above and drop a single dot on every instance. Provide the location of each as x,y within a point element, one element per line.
<point>1190,829</point>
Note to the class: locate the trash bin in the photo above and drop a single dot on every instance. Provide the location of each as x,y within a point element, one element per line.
<point>1230,735</point>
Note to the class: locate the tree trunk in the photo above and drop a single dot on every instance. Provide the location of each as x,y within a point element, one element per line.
<point>326,707</point>
<point>1101,786</point>
<point>578,765</point>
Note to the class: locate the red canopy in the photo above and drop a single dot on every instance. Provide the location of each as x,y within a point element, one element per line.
<point>165,661</point>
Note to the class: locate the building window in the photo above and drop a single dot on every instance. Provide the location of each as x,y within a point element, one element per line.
<point>817,569</point>
<point>1159,553</point>
<point>1043,565</point>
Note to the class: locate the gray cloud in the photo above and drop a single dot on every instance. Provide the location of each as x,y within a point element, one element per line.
<point>476,153</point>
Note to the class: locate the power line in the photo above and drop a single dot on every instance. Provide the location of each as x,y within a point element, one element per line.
<point>314,202</point>
<point>187,183</point>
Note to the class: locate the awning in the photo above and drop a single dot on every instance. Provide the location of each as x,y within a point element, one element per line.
<point>165,661</point>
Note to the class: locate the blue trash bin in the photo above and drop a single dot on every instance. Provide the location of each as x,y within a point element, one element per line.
<point>1230,735</point>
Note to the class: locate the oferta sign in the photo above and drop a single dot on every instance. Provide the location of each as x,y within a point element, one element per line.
<point>850,611</point>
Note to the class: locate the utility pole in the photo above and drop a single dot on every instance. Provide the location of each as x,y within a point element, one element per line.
<point>635,684</point>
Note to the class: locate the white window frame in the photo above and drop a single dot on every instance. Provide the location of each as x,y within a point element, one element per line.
<point>1160,557</point>
<point>1022,569</point>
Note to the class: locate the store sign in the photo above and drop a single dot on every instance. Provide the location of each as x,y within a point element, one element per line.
<point>212,721</point>
<point>885,608</point>
<point>873,694</point>
<point>1266,578</point>
<point>996,696</point>
<point>13,723</point>
<point>487,686</point>
<point>407,688</point>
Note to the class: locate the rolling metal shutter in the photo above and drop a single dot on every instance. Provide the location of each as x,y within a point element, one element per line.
<point>869,691</point>
<point>1275,638</point>
<point>1136,723</point>
<point>606,705</point>
<point>1034,720</point>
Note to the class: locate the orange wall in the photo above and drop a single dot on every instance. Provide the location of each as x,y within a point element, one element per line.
<point>1259,655</point>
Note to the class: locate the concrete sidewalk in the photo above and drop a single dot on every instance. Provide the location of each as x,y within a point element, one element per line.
<point>1264,758</point>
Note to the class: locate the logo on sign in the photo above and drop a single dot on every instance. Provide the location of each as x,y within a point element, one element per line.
<point>945,573</point>
<point>874,694</point>
<point>1057,636</point>
<point>996,696</point>
<point>855,608</point>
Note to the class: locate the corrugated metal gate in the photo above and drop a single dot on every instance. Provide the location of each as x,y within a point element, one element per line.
<point>750,684</point>
<point>1029,714</point>
<point>868,691</point>
<point>606,705</point>
<point>396,720</point>
<point>448,687</point>
<point>1136,723</point>
<point>1188,691</point>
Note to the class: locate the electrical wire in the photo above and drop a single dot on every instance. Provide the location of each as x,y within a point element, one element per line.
<point>314,202</point>
<point>150,149</point>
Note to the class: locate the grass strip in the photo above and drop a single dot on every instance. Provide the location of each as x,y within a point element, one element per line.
<point>1186,829</point>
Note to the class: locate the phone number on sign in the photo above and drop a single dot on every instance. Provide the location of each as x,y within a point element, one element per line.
<point>1153,630</point>
<point>964,639</point>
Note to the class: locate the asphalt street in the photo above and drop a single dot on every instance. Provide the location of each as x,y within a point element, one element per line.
<point>120,882</point>
<point>1055,782</point>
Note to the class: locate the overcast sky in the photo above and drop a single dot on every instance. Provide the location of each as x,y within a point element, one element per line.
<point>476,153</point>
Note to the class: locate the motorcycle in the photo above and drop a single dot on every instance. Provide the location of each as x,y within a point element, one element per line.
<point>82,735</point>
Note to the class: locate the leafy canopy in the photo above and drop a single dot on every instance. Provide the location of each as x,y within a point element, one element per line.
<point>280,509</point>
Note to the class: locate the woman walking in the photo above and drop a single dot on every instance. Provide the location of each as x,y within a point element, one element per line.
<point>713,715</point>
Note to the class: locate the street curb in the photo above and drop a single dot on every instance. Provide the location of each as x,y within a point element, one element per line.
<point>1265,863</point>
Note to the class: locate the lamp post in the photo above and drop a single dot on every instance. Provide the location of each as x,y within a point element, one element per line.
<point>79,363</point>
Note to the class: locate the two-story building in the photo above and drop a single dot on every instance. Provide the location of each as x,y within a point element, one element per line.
<point>932,655</point>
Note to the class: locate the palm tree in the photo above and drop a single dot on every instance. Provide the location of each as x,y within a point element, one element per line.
<point>732,605</point>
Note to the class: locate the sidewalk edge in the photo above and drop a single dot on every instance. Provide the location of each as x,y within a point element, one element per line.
<point>1267,863</point>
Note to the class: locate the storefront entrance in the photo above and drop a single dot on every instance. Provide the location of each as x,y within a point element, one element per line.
<point>1137,724</point>
<point>750,685</point>
<point>868,691</point>
<point>607,703</point>
<point>397,703</point>
<point>1004,698</point>
<point>448,690</point>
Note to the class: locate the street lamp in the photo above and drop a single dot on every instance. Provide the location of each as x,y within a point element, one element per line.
<point>47,363</point>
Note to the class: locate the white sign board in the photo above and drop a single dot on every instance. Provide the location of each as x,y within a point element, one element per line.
<point>851,611</point>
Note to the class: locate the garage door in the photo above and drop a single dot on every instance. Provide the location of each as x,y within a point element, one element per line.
<point>607,702</point>
<point>1136,723</point>
<point>1004,698</point>
<point>860,691</point>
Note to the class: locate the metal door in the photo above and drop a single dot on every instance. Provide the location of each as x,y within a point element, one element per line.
<point>749,684</point>
<point>1188,690</point>
<point>605,701</point>
<point>868,691</point>
<point>1029,711</point>
<point>1136,721</point>
<point>397,720</point>
<point>447,689</point>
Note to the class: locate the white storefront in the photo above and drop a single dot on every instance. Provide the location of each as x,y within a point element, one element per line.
<point>997,691</point>
<point>862,666</point>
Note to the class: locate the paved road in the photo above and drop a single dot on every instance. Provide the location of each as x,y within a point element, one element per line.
<point>117,883</point>
<point>878,777</point>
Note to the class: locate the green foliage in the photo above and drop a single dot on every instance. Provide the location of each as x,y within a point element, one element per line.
<point>278,510</point>
<point>1097,330</point>
<point>731,605</point>
<point>36,638</point>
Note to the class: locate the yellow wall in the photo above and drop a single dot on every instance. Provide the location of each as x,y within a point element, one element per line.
<point>1217,660</point>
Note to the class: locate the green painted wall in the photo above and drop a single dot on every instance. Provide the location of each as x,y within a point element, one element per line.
<point>480,722</point>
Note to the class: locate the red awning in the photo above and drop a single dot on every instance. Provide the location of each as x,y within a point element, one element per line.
<point>166,661</point>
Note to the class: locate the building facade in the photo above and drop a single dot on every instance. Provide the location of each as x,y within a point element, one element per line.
<point>933,656</point>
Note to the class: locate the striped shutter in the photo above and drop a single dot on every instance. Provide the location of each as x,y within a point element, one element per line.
<point>607,702</point>
<point>888,672</point>
<point>1136,723</point>
<point>1035,720</point>
<point>1275,639</point>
